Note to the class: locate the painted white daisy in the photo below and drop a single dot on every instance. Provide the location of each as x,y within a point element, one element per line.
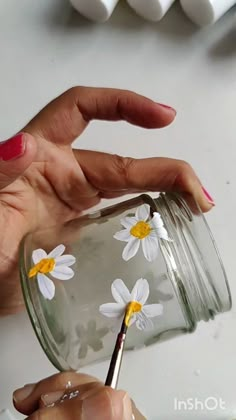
<point>135,300</point>
<point>54,264</point>
<point>141,229</point>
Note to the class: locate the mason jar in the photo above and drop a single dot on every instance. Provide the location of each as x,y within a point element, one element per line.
<point>78,279</point>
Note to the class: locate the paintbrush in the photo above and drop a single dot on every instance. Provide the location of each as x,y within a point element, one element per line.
<point>116,359</point>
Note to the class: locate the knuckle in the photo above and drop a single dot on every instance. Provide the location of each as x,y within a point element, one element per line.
<point>184,166</point>
<point>123,166</point>
<point>74,92</point>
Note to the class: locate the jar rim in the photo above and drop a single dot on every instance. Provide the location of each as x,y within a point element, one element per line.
<point>196,290</point>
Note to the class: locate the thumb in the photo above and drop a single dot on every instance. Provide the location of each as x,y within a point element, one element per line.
<point>16,155</point>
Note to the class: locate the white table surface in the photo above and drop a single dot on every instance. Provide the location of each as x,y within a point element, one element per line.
<point>46,48</point>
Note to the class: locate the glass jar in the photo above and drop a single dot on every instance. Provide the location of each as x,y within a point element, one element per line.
<point>165,242</point>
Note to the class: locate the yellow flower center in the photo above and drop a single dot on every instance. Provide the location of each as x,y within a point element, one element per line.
<point>141,230</point>
<point>132,307</point>
<point>46,265</point>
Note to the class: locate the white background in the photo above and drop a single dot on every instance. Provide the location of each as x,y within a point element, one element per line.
<point>46,48</point>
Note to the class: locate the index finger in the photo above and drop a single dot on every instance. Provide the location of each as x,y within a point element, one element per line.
<point>65,118</point>
<point>116,104</point>
<point>27,399</point>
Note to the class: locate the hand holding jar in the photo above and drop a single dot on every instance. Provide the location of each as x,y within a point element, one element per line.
<point>45,181</point>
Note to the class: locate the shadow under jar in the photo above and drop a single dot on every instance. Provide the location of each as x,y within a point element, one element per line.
<point>184,275</point>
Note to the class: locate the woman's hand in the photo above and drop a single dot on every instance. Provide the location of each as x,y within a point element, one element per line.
<point>44,181</point>
<point>70,396</point>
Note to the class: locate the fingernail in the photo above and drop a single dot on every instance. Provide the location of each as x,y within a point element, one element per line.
<point>52,398</point>
<point>127,408</point>
<point>168,107</point>
<point>13,148</point>
<point>208,196</point>
<point>22,394</point>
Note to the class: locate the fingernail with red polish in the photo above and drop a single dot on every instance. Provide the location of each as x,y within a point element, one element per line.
<point>208,196</point>
<point>13,148</point>
<point>168,107</point>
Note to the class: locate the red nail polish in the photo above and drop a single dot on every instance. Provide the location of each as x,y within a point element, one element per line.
<point>12,148</point>
<point>208,196</point>
<point>167,107</point>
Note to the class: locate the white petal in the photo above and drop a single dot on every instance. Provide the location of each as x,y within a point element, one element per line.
<point>112,310</point>
<point>46,286</point>
<point>62,272</point>
<point>120,292</point>
<point>157,221</point>
<point>140,291</point>
<point>150,248</point>
<point>153,234</point>
<point>162,234</point>
<point>131,249</point>
<point>150,311</point>
<point>38,255</point>
<point>57,252</point>
<point>123,235</point>
<point>143,323</point>
<point>67,260</point>
<point>128,222</point>
<point>143,212</point>
<point>133,319</point>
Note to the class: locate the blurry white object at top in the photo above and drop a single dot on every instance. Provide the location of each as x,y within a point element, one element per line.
<point>96,10</point>
<point>206,12</point>
<point>153,10</point>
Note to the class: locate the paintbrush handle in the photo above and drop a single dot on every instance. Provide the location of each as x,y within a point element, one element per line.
<point>116,360</point>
